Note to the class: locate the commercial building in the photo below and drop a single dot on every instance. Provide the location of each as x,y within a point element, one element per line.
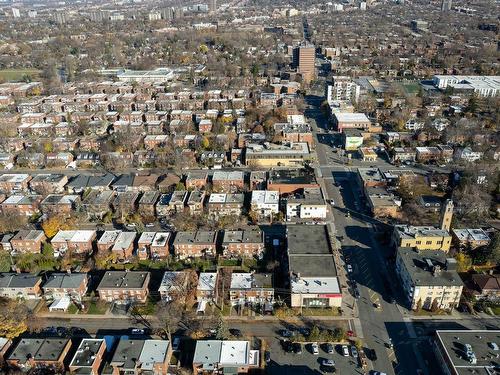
<point>487,86</point>
<point>347,120</point>
<point>421,237</point>
<point>428,278</point>
<point>288,181</point>
<point>224,357</point>
<point>460,352</point>
<point>352,139</point>
<point>157,75</point>
<point>124,286</point>
<point>312,269</point>
<point>273,155</point>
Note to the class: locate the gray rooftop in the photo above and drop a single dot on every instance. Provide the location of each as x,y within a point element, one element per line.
<point>127,353</point>
<point>291,176</point>
<point>40,349</point>
<point>453,341</point>
<point>18,280</point>
<point>199,237</point>
<point>308,240</point>
<point>65,280</point>
<point>92,181</point>
<point>124,280</point>
<point>243,236</point>
<point>418,265</point>
<point>86,353</point>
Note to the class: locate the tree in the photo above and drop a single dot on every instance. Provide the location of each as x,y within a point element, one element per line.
<point>418,308</point>
<point>222,330</point>
<point>53,225</point>
<point>464,262</point>
<point>205,143</point>
<point>13,318</point>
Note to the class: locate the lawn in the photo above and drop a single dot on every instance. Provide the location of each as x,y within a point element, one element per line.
<point>18,74</point>
<point>97,308</point>
<point>411,88</point>
<point>72,309</point>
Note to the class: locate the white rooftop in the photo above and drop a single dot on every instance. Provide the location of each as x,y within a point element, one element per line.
<point>351,117</point>
<point>265,197</point>
<point>314,285</point>
<point>206,281</point>
<point>153,351</point>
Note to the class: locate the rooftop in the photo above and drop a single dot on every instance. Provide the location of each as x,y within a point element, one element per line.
<point>292,176</point>
<point>206,281</point>
<point>243,236</point>
<point>251,280</point>
<point>40,349</point>
<point>315,285</point>
<point>308,240</point>
<point>265,197</point>
<point>86,353</point>
<point>18,280</point>
<point>65,280</point>
<point>476,234</point>
<point>199,237</point>
<point>410,231</point>
<point>351,117</point>
<point>124,280</point>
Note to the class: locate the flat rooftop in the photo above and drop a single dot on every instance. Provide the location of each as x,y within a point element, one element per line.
<point>308,240</point>
<point>453,342</point>
<point>199,237</point>
<point>292,176</point>
<point>40,349</point>
<point>86,353</point>
<point>124,280</point>
<point>410,231</point>
<point>243,236</point>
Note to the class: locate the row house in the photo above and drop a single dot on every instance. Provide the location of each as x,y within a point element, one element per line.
<point>39,353</point>
<point>48,183</point>
<point>154,245</point>
<point>222,204</point>
<point>403,154</point>
<point>153,141</point>
<point>196,180</point>
<point>243,243</point>
<point>10,183</point>
<point>125,286</point>
<point>20,285</point>
<point>147,203</point>
<point>173,286</point>
<point>252,289</point>
<point>60,204</point>
<point>123,248</point>
<point>107,241</point>
<point>172,203</point>
<point>65,285</point>
<point>27,241</point>
<point>427,154</point>
<point>195,202</point>
<point>83,182</point>
<point>76,241</point>
<point>136,182</point>
<point>26,205</point>
<point>97,203</point>
<point>195,244</point>
<point>228,181</point>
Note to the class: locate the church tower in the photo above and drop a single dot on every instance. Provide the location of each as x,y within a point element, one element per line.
<point>446,215</point>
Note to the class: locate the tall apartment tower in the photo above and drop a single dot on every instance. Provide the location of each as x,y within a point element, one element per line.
<point>446,215</point>
<point>446,5</point>
<point>303,59</point>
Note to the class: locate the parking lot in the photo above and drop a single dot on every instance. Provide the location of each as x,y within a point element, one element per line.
<point>306,363</point>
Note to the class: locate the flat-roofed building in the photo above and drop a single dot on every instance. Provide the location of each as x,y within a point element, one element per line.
<point>308,205</point>
<point>265,203</point>
<point>124,286</point>
<point>76,241</point>
<point>20,285</point>
<point>173,286</point>
<point>252,288</point>
<point>347,120</point>
<point>196,180</point>
<point>24,205</point>
<point>147,203</point>
<point>60,204</point>
<point>206,289</point>
<point>28,241</point>
<point>288,181</point>
<point>460,352</point>
<point>218,357</point>
<point>123,247</point>
<point>243,243</point>
<point>312,270</point>
<point>48,183</point>
<point>428,278</point>
<point>470,237</point>
<point>195,202</point>
<point>195,244</point>
<point>421,237</point>
<point>59,285</point>
<point>222,204</point>
<point>40,353</point>
<point>88,357</point>
<point>228,181</point>
<point>17,182</point>
<point>293,154</point>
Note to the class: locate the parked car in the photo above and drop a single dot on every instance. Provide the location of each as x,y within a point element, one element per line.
<point>354,351</point>
<point>287,346</point>
<point>345,351</point>
<point>235,332</point>
<point>297,347</point>
<point>315,348</point>
<point>176,343</point>
<point>285,333</point>
<point>267,356</point>
<point>329,348</point>
<point>328,362</point>
<point>137,331</point>
<point>349,268</point>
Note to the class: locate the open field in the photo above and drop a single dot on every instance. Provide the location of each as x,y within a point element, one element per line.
<point>17,74</point>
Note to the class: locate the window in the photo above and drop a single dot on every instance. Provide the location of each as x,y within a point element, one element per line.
<point>428,242</point>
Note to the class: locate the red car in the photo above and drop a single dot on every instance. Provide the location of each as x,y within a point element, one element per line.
<point>350,333</point>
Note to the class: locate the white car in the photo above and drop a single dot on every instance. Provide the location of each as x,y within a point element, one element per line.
<point>354,351</point>
<point>315,348</point>
<point>328,362</point>
<point>349,268</point>
<point>345,351</point>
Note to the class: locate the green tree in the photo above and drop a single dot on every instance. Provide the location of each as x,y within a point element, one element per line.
<point>222,330</point>
<point>464,262</point>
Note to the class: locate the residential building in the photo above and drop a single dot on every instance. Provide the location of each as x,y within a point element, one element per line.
<point>28,241</point>
<point>428,278</point>
<point>76,241</point>
<point>466,351</point>
<point>308,205</point>
<point>173,285</point>
<point>470,238</point>
<point>220,205</point>
<point>421,237</point>
<point>312,270</point>
<point>14,183</point>
<point>228,181</point>
<point>98,203</point>
<point>59,285</point>
<point>88,357</point>
<point>218,357</point>
<point>39,353</point>
<point>141,357</point>
<point>107,241</point>
<point>347,120</point>
<point>20,285</point>
<point>381,202</point>
<point>368,154</point>
<point>123,248</point>
<point>343,88</point>
<point>60,204</point>
<point>95,182</point>
<point>265,203</point>
<point>290,132</point>
<point>468,155</point>
<point>48,183</point>
<point>289,181</point>
<point>195,202</point>
<point>486,287</point>
<point>252,289</point>
<point>147,203</point>
<point>304,57</point>
<point>124,286</point>
<point>196,180</point>
<point>195,244</point>
<point>154,245</point>
<point>206,290</point>
<point>24,205</point>
<point>243,243</point>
